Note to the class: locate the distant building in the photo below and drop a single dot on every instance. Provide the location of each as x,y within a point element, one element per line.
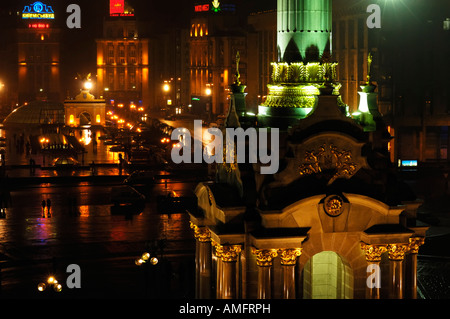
<point>38,55</point>
<point>123,61</point>
<point>262,50</point>
<point>215,39</point>
<point>410,68</point>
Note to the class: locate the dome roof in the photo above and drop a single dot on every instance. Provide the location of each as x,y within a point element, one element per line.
<point>36,113</point>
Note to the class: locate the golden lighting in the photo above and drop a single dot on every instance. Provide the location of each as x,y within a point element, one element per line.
<point>166,87</point>
<point>71,119</point>
<point>98,118</point>
<point>88,85</point>
<point>42,286</point>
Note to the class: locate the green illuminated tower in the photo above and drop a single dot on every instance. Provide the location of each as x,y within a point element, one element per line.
<point>304,66</point>
<point>303,30</point>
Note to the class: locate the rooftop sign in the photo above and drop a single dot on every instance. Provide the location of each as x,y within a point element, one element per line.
<point>215,6</point>
<point>38,10</point>
<point>118,8</point>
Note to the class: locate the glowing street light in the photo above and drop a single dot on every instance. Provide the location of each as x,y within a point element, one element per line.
<point>166,87</point>
<point>87,85</point>
<point>208,91</point>
<point>51,282</point>
<point>146,257</point>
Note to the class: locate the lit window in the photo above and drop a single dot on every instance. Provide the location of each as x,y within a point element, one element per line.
<point>98,118</point>
<point>71,119</point>
<point>447,24</point>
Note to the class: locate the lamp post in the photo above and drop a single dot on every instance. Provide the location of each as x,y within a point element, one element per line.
<point>166,98</point>
<point>150,259</point>
<point>51,282</point>
<point>208,92</point>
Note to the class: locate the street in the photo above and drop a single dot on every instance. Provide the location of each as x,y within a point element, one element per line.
<point>105,245</point>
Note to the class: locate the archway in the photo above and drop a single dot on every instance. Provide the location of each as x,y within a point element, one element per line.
<point>85,119</point>
<point>327,276</point>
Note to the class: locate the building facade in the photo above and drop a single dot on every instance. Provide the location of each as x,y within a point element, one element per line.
<point>123,63</point>
<point>412,43</point>
<point>38,56</point>
<point>215,39</point>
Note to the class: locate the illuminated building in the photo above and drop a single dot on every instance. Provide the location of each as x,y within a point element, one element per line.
<point>85,109</point>
<point>122,58</point>
<point>333,214</point>
<point>215,38</point>
<point>38,54</point>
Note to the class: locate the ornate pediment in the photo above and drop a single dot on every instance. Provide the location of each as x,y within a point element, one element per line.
<point>329,157</point>
<point>333,155</point>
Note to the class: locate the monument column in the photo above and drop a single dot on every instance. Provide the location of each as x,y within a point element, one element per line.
<point>264,260</point>
<point>202,262</point>
<point>288,262</point>
<point>228,255</point>
<point>396,257</point>
<point>414,244</point>
<point>373,257</point>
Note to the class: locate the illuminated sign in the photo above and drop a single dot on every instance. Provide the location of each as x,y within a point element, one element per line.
<point>202,8</point>
<point>38,10</point>
<point>215,6</point>
<point>119,8</point>
<point>38,25</point>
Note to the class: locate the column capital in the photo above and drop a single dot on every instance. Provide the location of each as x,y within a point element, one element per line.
<point>289,255</point>
<point>415,243</point>
<point>264,257</point>
<point>202,234</point>
<point>228,253</point>
<point>397,251</point>
<point>373,252</point>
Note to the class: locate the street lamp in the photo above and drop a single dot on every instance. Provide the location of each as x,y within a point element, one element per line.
<point>51,282</point>
<point>166,87</point>
<point>87,85</point>
<point>146,257</point>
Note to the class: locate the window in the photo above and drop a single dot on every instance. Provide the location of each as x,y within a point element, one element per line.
<point>447,24</point>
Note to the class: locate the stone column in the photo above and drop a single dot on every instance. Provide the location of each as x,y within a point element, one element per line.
<point>288,261</point>
<point>373,257</point>
<point>414,244</point>
<point>202,262</point>
<point>264,260</point>
<point>228,255</point>
<point>396,257</point>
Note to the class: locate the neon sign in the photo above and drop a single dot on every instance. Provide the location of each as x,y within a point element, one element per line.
<point>118,8</point>
<point>202,8</point>
<point>38,25</point>
<point>38,10</point>
<point>215,6</point>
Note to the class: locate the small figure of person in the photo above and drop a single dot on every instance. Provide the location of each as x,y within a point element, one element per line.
<point>93,168</point>
<point>120,163</point>
<point>43,208</point>
<point>49,205</point>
